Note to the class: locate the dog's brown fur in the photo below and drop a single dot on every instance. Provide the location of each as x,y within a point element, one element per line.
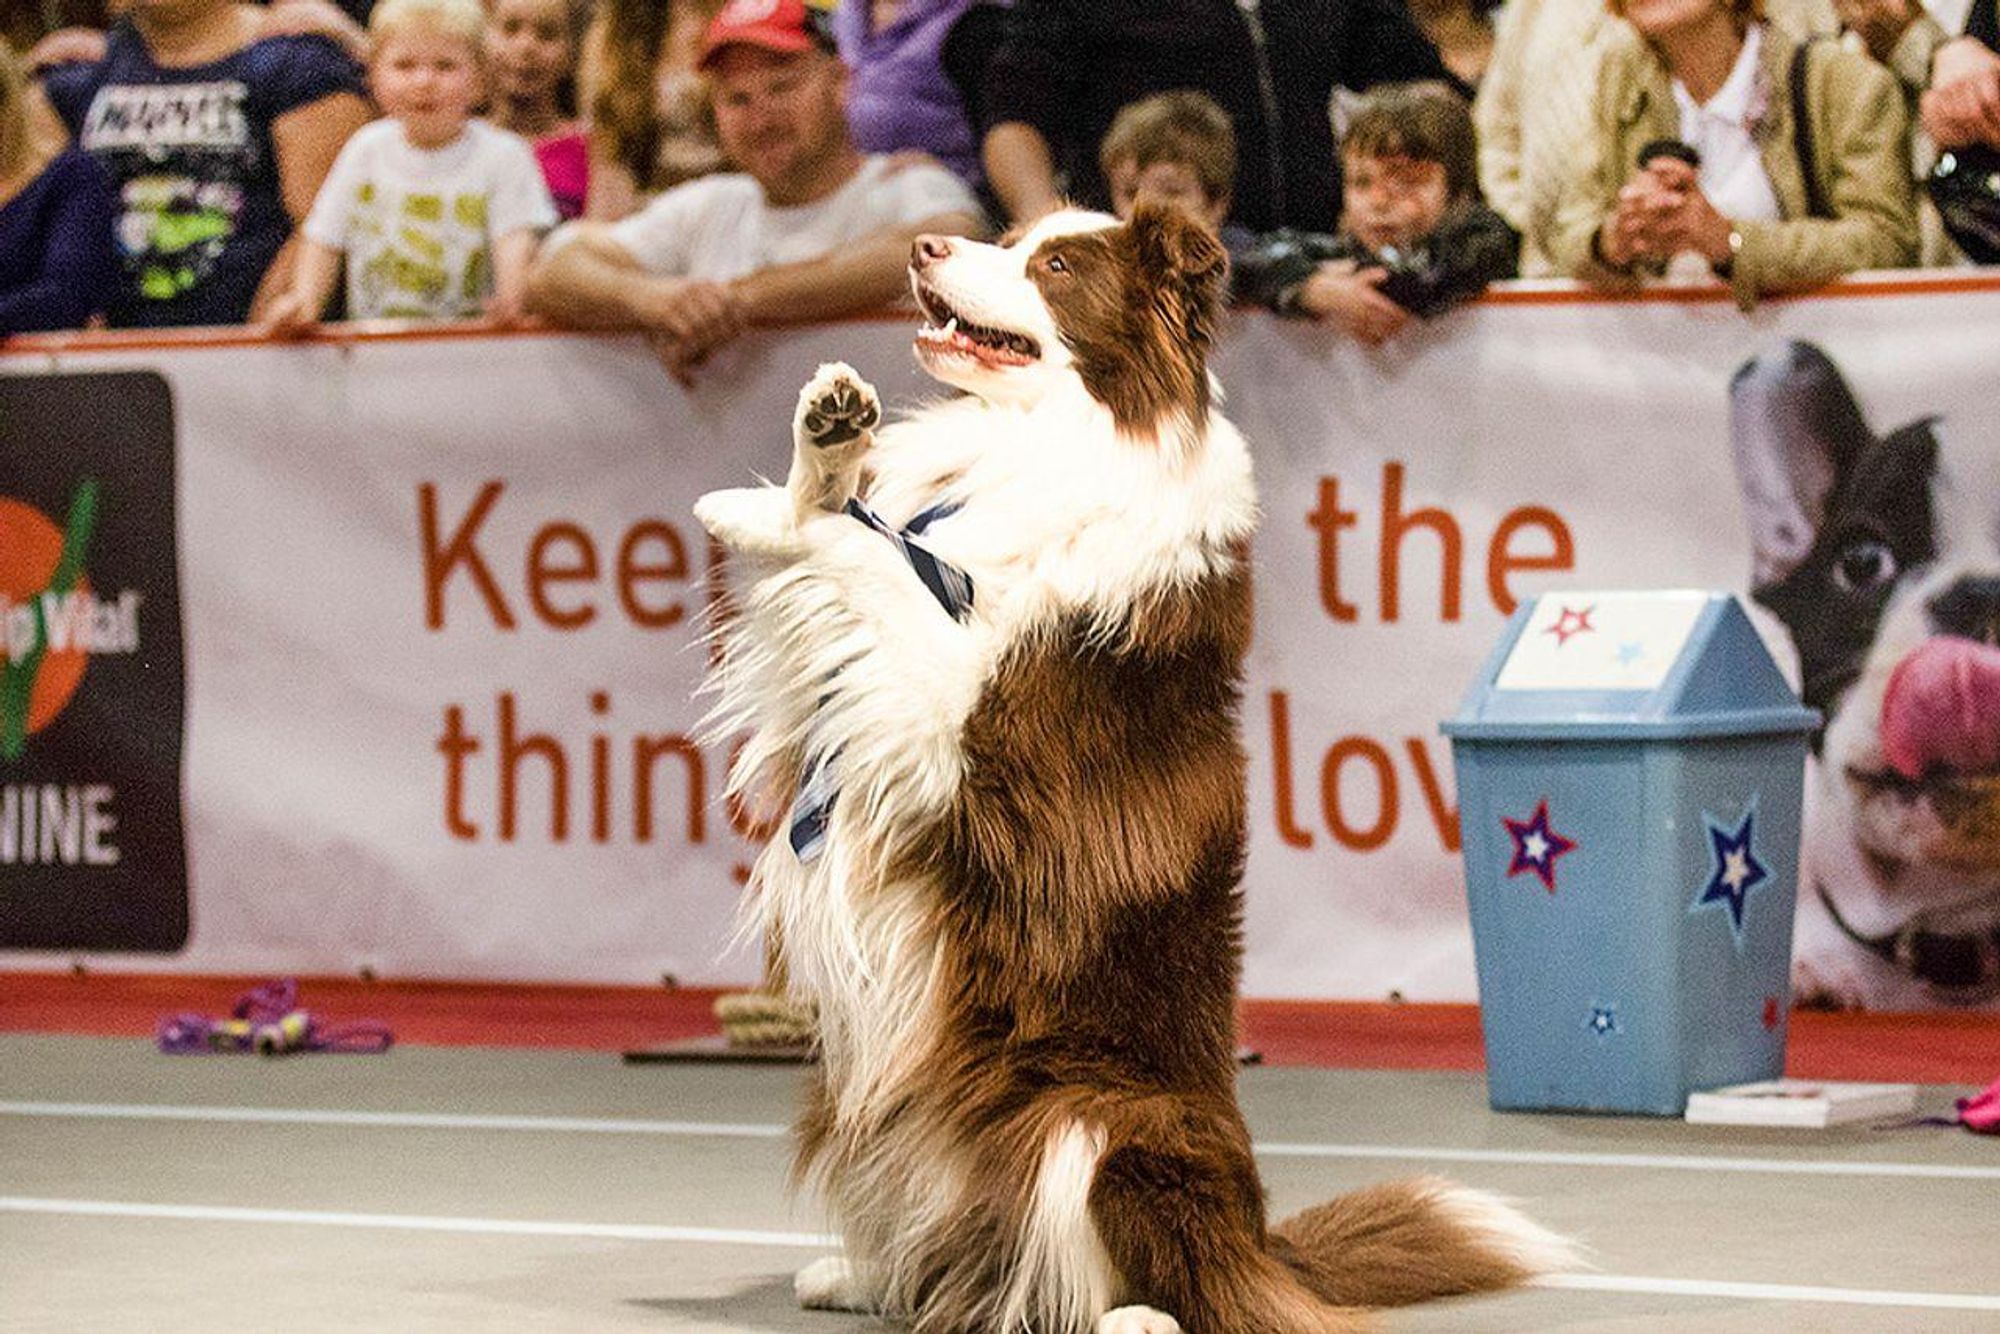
<point>1079,906</point>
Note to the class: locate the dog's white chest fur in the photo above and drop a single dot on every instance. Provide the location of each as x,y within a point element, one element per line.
<point>839,653</point>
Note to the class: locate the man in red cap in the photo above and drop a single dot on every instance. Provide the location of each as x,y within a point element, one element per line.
<point>808,227</point>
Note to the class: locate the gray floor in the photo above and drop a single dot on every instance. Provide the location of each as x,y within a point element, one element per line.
<point>485,1190</point>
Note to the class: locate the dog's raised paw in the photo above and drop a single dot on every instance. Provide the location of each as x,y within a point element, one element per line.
<point>837,406</point>
<point>1137,1320</point>
<point>835,1283</point>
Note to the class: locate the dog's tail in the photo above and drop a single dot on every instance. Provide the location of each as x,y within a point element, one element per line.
<point>1409,1241</point>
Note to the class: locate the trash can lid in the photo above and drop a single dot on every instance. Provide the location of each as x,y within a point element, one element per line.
<point>1625,666</point>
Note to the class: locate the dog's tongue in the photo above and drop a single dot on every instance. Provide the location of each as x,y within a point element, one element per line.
<point>1942,710</point>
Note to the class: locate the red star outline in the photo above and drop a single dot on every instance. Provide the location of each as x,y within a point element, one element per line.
<point>1572,623</point>
<point>1545,867</point>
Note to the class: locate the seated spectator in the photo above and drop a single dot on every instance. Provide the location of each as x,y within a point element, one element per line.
<point>1065,67</point>
<point>1414,237</point>
<point>57,259</point>
<point>651,126</point>
<point>437,213</point>
<point>206,215</point>
<point>531,57</point>
<point>811,229</point>
<point>1462,32</point>
<point>1767,203</point>
<point>901,96</point>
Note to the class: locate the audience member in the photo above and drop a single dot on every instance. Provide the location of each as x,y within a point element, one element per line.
<point>1177,147</point>
<point>1766,201</point>
<point>1414,237</point>
<point>85,44</point>
<point>57,261</point>
<point>1537,107</point>
<point>901,95</point>
<point>810,229</point>
<point>651,123</point>
<point>218,138</point>
<point>436,213</point>
<point>1065,67</point>
<point>1462,32</point>
<point>532,48</point>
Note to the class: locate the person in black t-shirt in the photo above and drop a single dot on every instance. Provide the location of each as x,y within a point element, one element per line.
<point>217,139</point>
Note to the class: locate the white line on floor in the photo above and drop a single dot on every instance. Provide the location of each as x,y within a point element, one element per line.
<point>1689,1162</point>
<point>1768,1292</point>
<point>517,1227</point>
<point>697,1129</point>
<point>320,1116</point>
<point>1669,1287</point>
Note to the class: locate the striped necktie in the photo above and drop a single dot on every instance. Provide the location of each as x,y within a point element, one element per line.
<point>812,811</point>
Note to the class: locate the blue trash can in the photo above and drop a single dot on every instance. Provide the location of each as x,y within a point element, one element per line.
<point>1630,772</point>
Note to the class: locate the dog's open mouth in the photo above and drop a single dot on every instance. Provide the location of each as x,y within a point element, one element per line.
<point>950,334</point>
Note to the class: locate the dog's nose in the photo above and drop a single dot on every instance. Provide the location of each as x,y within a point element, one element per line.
<point>1970,608</point>
<point>927,250</point>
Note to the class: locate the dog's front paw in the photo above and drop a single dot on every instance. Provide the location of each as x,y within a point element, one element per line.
<point>833,427</point>
<point>835,1283</point>
<point>756,520</point>
<point>836,406</point>
<point>1137,1320</point>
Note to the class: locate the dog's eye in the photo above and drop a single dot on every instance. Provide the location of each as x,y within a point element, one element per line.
<point>1057,264</point>
<point>1864,566</point>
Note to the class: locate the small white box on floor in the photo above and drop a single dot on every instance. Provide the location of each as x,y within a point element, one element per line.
<point>1806,1103</point>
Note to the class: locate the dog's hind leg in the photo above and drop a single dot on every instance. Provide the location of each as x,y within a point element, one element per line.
<point>1179,1210</point>
<point>831,432</point>
<point>836,1283</point>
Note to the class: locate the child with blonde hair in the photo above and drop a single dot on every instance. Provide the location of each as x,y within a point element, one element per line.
<point>437,214</point>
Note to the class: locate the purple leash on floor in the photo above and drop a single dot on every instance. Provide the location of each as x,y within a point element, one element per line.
<point>266,1019</point>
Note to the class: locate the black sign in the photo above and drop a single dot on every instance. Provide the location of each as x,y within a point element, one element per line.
<point>92,686</point>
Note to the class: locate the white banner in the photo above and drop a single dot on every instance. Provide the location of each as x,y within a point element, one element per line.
<point>441,598</point>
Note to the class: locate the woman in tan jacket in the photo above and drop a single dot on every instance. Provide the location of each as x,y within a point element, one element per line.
<point>1768,204</point>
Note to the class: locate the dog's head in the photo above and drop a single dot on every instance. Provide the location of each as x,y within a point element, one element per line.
<point>1881,554</point>
<point>1128,309</point>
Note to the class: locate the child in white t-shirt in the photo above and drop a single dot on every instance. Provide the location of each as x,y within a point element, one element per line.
<point>437,214</point>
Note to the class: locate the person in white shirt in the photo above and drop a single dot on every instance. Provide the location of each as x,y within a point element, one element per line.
<point>809,229</point>
<point>437,214</point>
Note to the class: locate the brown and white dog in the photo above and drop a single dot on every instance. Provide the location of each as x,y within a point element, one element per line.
<point>1019,914</point>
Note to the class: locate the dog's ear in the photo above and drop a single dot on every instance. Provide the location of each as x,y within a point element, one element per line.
<point>1181,254</point>
<point>1796,431</point>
